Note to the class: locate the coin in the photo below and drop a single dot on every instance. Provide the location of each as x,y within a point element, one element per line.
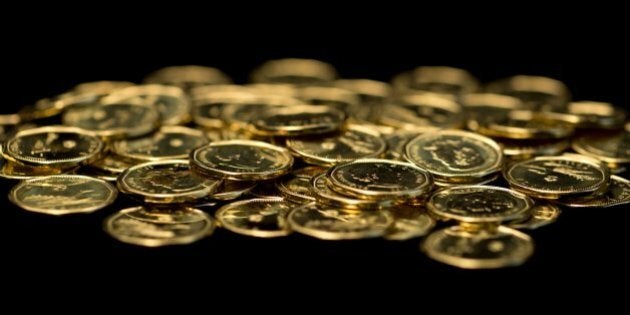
<point>169,142</point>
<point>241,160</point>
<point>55,146</point>
<point>187,77</point>
<point>354,143</point>
<point>209,102</point>
<point>612,148</point>
<point>521,124</point>
<point>444,80</point>
<point>480,249</point>
<point>169,181</point>
<point>597,114</point>
<point>112,163</point>
<point>479,204</point>
<point>341,99</point>
<point>298,121</point>
<point>455,156</point>
<point>114,121</point>
<point>231,190</point>
<point>100,87</point>
<point>265,189</point>
<point>239,115</point>
<point>380,179</point>
<point>330,223</point>
<point>409,223</point>
<point>537,93</point>
<point>526,149</point>
<point>369,91</point>
<point>319,186</point>
<point>541,214</point>
<point>295,187</point>
<point>170,101</point>
<point>294,71</point>
<point>484,108</point>
<point>553,177</point>
<point>618,193</point>
<point>396,143</point>
<point>15,170</point>
<point>160,226</point>
<point>289,90</point>
<point>423,112</point>
<point>256,217</point>
<point>63,194</point>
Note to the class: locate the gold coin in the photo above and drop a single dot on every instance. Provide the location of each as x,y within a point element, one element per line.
<point>265,189</point>
<point>170,101</point>
<point>479,204</point>
<point>341,99</point>
<point>370,91</point>
<point>409,222</point>
<point>241,160</point>
<point>330,223</point>
<point>354,143</point>
<point>380,179</point>
<point>618,193</point>
<point>97,173</point>
<point>231,190</point>
<point>597,114</point>
<point>239,115</point>
<point>479,249</point>
<point>484,108</point>
<point>54,146</point>
<point>208,105</point>
<point>443,80</point>
<point>553,177</point>
<point>455,156</point>
<point>112,163</point>
<point>521,124</point>
<point>295,187</point>
<point>320,188</point>
<point>298,121</point>
<point>187,77</point>
<point>100,87</point>
<point>289,90</point>
<point>114,121</point>
<point>542,214</point>
<point>169,142</point>
<point>169,181</point>
<point>206,93</point>
<point>15,170</point>
<point>256,217</point>
<point>294,71</point>
<point>63,194</point>
<point>422,113</point>
<point>526,149</point>
<point>613,149</point>
<point>480,181</point>
<point>537,93</point>
<point>396,143</point>
<point>160,226</point>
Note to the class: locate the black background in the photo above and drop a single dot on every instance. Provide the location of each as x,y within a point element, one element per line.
<point>584,245</point>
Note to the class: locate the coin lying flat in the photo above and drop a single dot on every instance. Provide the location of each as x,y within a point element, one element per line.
<point>331,223</point>
<point>295,187</point>
<point>541,214</point>
<point>169,181</point>
<point>479,204</point>
<point>238,115</point>
<point>112,163</point>
<point>618,193</point>
<point>480,249</point>
<point>423,112</point>
<point>294,71</point>
<point>597,114</point>
<point>54,146</point>
<point>537,93</point>
<point>553,177</point>
<point>522,124</point>
<point>298,121</point>
<point>160,226</point>
<point>63,194</point>
<point>231,190</point>
<point>613,149</point>
<point>526,149</point>
<point>484,108</point>
<point>100,87</point>
<point>354,143</point>
<point>169,142</point>
<point>320,188</point>
<point>187,77</point>
<point>341,99</point>
<point>455,156</point>
<point>409,222</point>
<point>114,121</point>
<point>444,80</point>
<point>241,160</point>
<point>18,171</point>
<point>380,179</point>
<point>256,217</point>
<point>396,143</point>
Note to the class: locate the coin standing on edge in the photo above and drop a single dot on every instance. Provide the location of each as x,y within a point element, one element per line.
<point>256,217</point>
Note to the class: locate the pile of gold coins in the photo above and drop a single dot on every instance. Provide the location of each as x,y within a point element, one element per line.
<point>433,153</point>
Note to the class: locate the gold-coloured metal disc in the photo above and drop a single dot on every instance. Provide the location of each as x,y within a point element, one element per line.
<point>256,217</point>
<point>231,190</point>
<point>18,171</point>
<point>437,79</point>
<point>187,77</point>
<point>484,108</point>
<point>542,214</point>
<point>298,120</point>
<point>422,113</point>
<point>618,193</point>
<point>396,143</point>
<point>63,194</point>
<point>320,187</point>
<point>409,222</point>
<point>522,124</point>
<point>295,187</point>
<point>612,148</point>
<point>597,114</point>
<point>169,142</point>
<point>114,121</point>
<point>537,93</point>
<point>526,149</point>
<point>294,71</point>
<point>341,99</point>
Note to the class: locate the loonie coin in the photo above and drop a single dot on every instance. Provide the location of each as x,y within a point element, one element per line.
<point>541,214</point>
<point>409,222</point>
<point>597,114</point>
<point>423,112</point>
<point>231,190</point>
<point>100,87</point>
<point>320,188</point>
<point>187,77</point>
<point>256,217</point>
<point>618,193</point>
<point>169,142</point>
<point>295,187</point>
<point>444,80</point>
<point>341,99</point>
<point>613,149</point>
<point>238,115</point>
<point>114,121</point>
<point>294,71</point>
<point>63,194</point>
<point>526,149</point>
<point>521,124</point>
<point>537,93</point>
<point>484,108</point>
<point>169,181</point>
<point>396,143</point>
<point>15,170</point>
<point>113,164</point>
<point>298,121</point>
<point>160,226</point>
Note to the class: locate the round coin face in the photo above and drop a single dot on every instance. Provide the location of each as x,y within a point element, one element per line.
<point>522,124</point>
<point>455,155</point>
<point>242,160</point>
<point>551,177</point>
<point>331,223</point>
<point>114,121</point>
<point>423,112</point>
<point>380,179</point>
<point>54,147</point>
<point>298,121</point>
<point>320,188</point>
<point>295,187</point>
<point>354,143</point>
<point>167,181</point>
<point>63,194</point>
<point>542,214</point>
<point>256,217</point>
<point>170,142</point>
<point>618,193</point>
<point>458,247</point>
<point>159,227</point>
<point>409,222</point>
<point>608,148</point>
<point>479,204</point>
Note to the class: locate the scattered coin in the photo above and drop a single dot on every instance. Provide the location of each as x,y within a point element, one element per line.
<point>256,217</point>
<point>114,121</point>
<point>169,142</point>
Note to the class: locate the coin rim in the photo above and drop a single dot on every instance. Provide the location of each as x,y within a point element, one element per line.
<point>255,233</point>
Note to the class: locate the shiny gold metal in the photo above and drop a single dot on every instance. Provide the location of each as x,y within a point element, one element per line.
<point>113,164</point>
<point>295,187</point>
<point>618,193</point>
<point>238,115</point>
<point>320,187</point>
<point>100,87</point>
<point>479,249</point>
<point>396,143</point>
<point>256,217</point>
<point>343,100</point>
<point>523,124</point>
<point>288,90</point>
<point>483,108</point>
<point>241,160</point>
<point>409,222</point>
<point>63,194</point>
<point>537,93</point>
<point>294,71</point>
<point>443,80</point>
<point>169,181</point>
<point>18,171</point>
<point>187,77</point>
<point>597,114</point>
<point>542,214</point>
<point>354,143</point>
<point>423,112</point>
<point>613,149</point>
<point>169,142</point>
<point>153,227</point>
<point>231,190</point>
<point>114,121</point>
<point>330,223</point>
<point>479,204</point>
<point>526,149</point>
<point>300,120</point>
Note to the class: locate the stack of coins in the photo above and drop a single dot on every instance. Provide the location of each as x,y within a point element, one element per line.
<point>300,150</point>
